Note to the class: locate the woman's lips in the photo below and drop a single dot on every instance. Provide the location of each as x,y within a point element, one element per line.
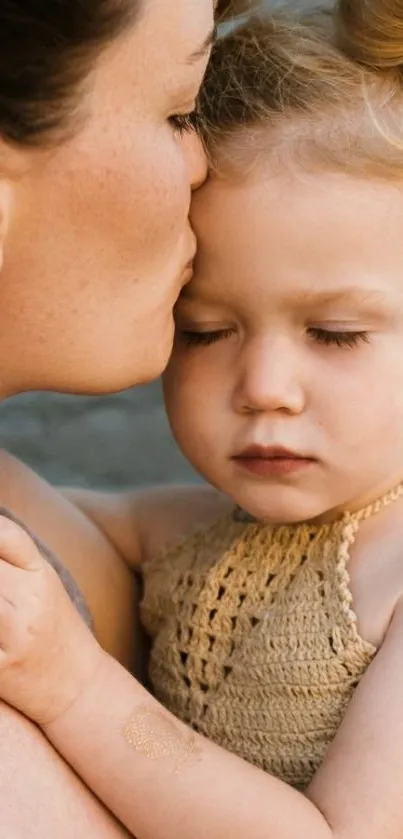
<point>187,272</point>
<point>272,461</point>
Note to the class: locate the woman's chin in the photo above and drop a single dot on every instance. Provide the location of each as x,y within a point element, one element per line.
<point>109,378</point>
<point>148,360</point>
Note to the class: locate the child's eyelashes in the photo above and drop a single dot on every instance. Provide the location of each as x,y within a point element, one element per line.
<point>346,339</point>
<point>196,339</point>
<point>327,337</point>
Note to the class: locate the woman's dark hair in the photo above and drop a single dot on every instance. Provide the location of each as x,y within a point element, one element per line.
<point>47,49</point>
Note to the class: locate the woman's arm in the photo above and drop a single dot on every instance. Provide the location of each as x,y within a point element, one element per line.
<point>105,581</point>
<point>40,795</point>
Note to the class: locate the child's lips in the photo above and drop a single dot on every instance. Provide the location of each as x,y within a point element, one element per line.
<point>272,461</point>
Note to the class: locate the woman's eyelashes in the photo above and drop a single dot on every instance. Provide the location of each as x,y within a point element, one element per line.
<point>183,122</point>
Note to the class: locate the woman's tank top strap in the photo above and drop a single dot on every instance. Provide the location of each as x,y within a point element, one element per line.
<point>69,583</point>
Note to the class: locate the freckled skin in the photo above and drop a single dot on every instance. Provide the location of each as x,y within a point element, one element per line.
<point>94,234</point>
<point>93,240</point>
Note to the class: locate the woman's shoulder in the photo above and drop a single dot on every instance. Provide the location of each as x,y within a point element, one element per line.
<point>103,578</point>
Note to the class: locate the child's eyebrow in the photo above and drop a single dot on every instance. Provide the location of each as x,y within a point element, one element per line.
<point>356,295</point>
<point>364,299</point>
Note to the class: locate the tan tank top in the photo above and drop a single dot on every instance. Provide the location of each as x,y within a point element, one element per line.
<point>255,643</point>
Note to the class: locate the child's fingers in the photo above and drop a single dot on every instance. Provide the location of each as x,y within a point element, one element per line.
<point>16,547</point>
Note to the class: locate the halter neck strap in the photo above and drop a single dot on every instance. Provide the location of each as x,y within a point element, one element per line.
<point>372,509</point>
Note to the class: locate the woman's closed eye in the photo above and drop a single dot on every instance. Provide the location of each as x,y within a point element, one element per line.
<point>183,122</point>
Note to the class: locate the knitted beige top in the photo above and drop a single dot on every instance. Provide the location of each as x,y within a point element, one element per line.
<point>255,642</point>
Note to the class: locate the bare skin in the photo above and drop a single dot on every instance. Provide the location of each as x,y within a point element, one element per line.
<point>115,195</point>
<point>31,771</point>
<point>30,767</point>
<point>108,726</point>
<point>105,582</point>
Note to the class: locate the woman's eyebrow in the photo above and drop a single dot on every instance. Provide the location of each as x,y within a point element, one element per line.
<point>201,51</point>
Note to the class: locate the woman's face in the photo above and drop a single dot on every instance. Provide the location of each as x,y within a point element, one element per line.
<point>95,236</point>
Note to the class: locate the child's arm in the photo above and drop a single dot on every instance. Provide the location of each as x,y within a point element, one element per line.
<point>139,523</point>
<point>359,786</point>
<point>200,791</point>
<point>162,780</point>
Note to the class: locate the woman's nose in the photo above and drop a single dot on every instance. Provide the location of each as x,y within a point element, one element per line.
<point>196,158</point>
<point>269,380</point>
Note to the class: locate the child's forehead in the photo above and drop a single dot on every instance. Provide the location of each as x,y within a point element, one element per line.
<point>323,238</point>
<point>301,220</point>
<point>295,185</point>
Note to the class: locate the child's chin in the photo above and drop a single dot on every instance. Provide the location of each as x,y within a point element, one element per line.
<point>280,509</point>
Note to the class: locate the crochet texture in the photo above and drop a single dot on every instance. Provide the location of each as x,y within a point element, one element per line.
<point>255,643</point>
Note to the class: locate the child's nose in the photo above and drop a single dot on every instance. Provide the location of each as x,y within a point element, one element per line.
<point>269,380</point>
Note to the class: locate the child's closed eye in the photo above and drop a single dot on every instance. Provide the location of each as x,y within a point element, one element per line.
<point>194,339</point>
<point>344,339</point>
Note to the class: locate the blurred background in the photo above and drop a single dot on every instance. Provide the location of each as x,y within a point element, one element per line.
<point>112,441</point>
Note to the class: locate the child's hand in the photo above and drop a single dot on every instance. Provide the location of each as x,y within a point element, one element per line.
<point>47,653</point>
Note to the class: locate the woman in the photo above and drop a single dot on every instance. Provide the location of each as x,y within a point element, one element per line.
<point>95,245</point>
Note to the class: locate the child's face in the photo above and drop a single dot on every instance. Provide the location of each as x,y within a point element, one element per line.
<point>290,338</point>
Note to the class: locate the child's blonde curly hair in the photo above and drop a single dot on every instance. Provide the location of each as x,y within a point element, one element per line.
<point>328,85</point>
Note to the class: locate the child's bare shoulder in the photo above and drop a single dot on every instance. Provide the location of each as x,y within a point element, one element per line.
<point>142,522</point>
<point>171,513</point>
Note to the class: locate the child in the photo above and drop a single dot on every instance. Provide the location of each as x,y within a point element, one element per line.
<point>285,390</point>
